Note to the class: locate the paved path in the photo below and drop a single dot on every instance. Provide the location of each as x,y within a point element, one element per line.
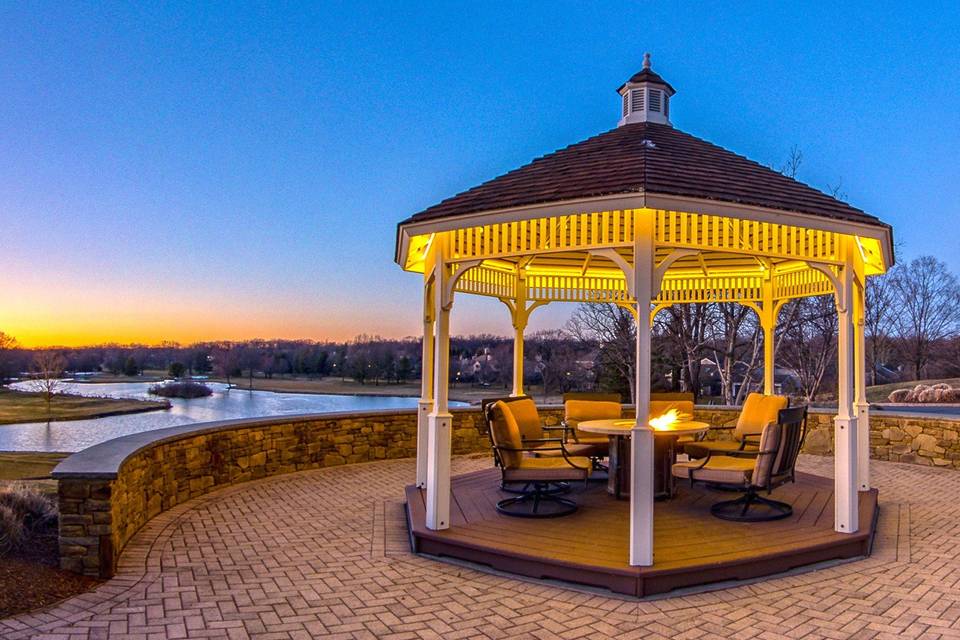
<point>322,554</point>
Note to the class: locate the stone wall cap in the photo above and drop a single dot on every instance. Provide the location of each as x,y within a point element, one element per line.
<point>102,461</point>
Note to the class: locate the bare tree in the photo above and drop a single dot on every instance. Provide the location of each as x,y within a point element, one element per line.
<point>7,343</point>
<point>808,341</point>
<point>928,297</point>
<point>791,167</point>
<point>612,329</point>
<point>687,326</point>
<point>879,322</point>
<point>737,348</point>
<point>48,366</point>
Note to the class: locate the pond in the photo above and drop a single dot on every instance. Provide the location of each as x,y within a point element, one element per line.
<point>224,404</point>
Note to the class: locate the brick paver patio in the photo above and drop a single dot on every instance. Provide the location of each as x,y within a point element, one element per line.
<point>323,554</point>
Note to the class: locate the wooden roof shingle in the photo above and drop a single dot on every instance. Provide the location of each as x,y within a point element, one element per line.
<point>645,157</point>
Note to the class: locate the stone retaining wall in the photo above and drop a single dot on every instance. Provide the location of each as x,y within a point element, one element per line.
<point>108,492</point>
<point>914,438</point>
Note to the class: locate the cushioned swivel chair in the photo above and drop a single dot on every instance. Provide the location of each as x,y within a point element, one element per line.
<point>757,412</point>
<point>770,466</point>
<point>538,475</point>
<point>581,406</point>
<point>532,430</point>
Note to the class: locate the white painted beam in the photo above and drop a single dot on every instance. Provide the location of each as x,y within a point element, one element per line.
<point>439,422</point>
<point>846,502</point>
<point>641,441</point>
<point>425,405</point>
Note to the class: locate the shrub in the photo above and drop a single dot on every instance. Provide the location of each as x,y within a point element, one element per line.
<point>899,395</point>
<point>37,510</point>
<point>181,390</point>
<point>25,512</point>
<point>950,395</point>
<point>12,531</point>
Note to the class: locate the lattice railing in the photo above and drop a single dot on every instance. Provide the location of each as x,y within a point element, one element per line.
<point>798,284</point>
<point>574,288</point>
<point>711,289</point>
<point>485,281</point>
<point>615,228</point>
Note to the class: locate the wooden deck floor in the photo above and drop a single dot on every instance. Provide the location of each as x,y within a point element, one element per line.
<point>590,547</point>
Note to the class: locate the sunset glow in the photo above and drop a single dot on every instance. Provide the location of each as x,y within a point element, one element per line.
<point>163,181</point>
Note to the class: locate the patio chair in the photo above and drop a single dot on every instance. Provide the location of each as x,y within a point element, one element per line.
<point>533,430</point>
<point>582,406</point>
<point>772,465</point>
<point>539,475</point>
<point>758,411</point>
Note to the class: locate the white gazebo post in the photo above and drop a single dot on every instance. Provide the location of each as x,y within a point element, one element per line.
<point>860,377</point>
<point>641,441</point>
<point>425,405</point>
<point>519,317</point>
<point>768,322</point>
<point>846,502</point>
<point>439,421</point>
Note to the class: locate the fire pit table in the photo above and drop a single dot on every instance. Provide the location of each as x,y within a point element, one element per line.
<point>664,452</point>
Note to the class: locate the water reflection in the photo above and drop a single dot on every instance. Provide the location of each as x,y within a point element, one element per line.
<point>222,405</point>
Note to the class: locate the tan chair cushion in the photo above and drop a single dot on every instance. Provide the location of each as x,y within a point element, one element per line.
<point>769,441</point>
<point>548,469</point>
<point>528,418</point>
<point>590,450</point>
<point>703,448</point>
<point>577,411</point>
<point>758,411</point>
<point>506,433</point>
<point>722,470</point>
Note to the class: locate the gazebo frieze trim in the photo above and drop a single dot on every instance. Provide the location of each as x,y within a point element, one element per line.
<point>744,214</point>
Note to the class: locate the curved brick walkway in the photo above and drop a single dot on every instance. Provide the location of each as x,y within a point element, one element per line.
<point>322,554</point>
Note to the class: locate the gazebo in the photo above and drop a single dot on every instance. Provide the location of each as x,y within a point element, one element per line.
<point>645,216</point>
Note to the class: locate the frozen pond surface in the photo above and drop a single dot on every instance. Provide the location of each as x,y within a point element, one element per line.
<point>224,404</point>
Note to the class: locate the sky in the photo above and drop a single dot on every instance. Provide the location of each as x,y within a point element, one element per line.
<point>187,172</point>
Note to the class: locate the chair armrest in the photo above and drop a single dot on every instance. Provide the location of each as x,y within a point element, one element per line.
<point>723,427</point>
<point>742,454</point>
<point>543,440</point>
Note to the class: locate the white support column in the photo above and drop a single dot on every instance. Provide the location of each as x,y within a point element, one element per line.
<point>641,441</point>
<point>860,396</point>
<point>846,502</point>
<point>768,322</point>
<point>439,421</point>
<point>519,317</point>
<point>425,405</point>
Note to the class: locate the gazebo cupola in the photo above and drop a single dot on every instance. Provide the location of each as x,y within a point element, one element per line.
<point>645,97</point>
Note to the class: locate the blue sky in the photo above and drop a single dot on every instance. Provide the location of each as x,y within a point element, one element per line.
<point>236,170</point>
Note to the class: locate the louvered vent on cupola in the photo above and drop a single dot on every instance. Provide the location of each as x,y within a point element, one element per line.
<point>645,97</point>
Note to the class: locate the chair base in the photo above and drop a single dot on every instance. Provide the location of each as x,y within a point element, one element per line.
<point>551,488</point>
<point>541,502</point>
<point>751,508</point>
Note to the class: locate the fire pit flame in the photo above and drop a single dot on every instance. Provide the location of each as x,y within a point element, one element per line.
<point>668,419</point>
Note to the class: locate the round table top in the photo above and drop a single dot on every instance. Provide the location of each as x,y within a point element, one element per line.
<point>622,427</point>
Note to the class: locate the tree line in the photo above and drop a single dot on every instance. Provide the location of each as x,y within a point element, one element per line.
<point>912,330</point>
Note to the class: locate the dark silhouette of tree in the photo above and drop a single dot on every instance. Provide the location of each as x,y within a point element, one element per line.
<point>928,297</point>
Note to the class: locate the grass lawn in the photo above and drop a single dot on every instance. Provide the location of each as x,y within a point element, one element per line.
<point>332,385</point>
<point>20,406</point>
<point>22,465</point>
<point>881,392</point>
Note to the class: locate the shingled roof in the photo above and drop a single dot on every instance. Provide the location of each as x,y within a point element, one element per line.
<point>645,157</point>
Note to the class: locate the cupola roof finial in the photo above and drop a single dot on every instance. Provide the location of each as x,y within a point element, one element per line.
<point>645,97</point>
